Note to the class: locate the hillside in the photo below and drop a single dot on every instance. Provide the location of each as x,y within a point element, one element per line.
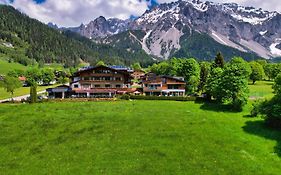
<point>5,66</point>
<point>48,45</point>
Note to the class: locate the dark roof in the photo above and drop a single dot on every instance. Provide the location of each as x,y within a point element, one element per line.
<point>153,75</point>
<point>94,67</point>
<point>174,78</point>
<point>120,67</point>
<point>59,87</point>
<point>62,86</point>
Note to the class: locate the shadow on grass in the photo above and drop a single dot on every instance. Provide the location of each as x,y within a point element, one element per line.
<point>248,116</point>
<point>258,128</point>
<point>217,107</point>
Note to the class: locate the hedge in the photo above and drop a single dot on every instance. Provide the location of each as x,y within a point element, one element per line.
<point>134,97</point>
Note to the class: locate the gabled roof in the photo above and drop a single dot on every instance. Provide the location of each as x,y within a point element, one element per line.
<point>181,79</point>
<point>101,66</point>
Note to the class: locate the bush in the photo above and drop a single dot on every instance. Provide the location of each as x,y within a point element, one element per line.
<point>272,111</point>
<point>256,108</point>
<point>125,97</point>
<point>163,98</point>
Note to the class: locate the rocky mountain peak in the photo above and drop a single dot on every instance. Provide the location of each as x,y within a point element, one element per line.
<point>247,29</point>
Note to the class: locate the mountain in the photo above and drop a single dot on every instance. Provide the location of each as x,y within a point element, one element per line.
<point>101,27</point>
<point>26,40</point>
<point>235,29</point>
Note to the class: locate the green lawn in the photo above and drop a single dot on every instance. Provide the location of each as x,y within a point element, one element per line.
<point>5,66</point>
<point>21,91</point>
<point>134,137</point>
<point>261,89</point>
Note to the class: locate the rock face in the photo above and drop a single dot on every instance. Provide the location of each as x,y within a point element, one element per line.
<point>101,27</point>
<point>246,29</point>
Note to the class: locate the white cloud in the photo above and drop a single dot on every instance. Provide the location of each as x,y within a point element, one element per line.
<point>270,5</point>
<point>74,12</point>
<point>4,1</point>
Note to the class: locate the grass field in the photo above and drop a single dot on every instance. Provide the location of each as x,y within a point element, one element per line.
<point>21,91</point>
<point>5,66</point>
<point>261,89</point>
<point>134,137</point>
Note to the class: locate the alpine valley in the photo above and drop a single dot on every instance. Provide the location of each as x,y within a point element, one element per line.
<point>193,29</point>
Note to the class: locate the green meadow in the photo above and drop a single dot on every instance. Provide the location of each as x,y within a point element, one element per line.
<point>262,89</point>
<point>135,137</point>
<point>5,66</point>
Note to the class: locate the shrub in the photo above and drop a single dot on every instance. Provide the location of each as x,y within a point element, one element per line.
<point>125,97</point>
<point>272,111</point>
<point>256,108</point>
<point>163,98</point>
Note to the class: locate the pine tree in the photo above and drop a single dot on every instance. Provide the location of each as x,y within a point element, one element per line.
<point>219,61</point>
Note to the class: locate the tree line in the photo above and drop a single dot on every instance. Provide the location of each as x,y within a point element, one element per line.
<point>224,82</point>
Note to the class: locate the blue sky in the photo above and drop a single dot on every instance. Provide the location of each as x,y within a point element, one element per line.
<point>74,12</point>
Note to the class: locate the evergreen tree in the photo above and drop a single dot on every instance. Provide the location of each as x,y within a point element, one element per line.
<point>219,61</point>
<point>205,68</point>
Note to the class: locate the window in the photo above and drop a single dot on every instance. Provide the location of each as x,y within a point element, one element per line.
<point>118,78</point>
<point>107,78</point>
<point>107,86</point>
<point>171,86</point>
<point>86,86</point>
<point>154,86</point>
<point>86,78</point>
<point>118,86</point>
<point>96,78</point>
<point>97,86</point>
<point>76,86</point>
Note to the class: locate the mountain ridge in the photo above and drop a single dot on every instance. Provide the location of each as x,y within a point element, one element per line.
<point>247,29</point>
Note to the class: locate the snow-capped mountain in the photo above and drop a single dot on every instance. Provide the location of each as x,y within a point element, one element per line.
<point>101,27</point>
<point>168,28</point>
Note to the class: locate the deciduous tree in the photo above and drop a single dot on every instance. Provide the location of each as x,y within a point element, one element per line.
<point>257,72</point>
<point>234,83</point>
<point>10,84</point>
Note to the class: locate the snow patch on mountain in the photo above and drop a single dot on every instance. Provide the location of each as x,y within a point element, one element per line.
<point>198,5</point>
<point>263,32</point>
<point>273,49</point>
<point>153,16</point>
<point>250,19</point>
<point>144,41</point>
<point>247,14</point>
